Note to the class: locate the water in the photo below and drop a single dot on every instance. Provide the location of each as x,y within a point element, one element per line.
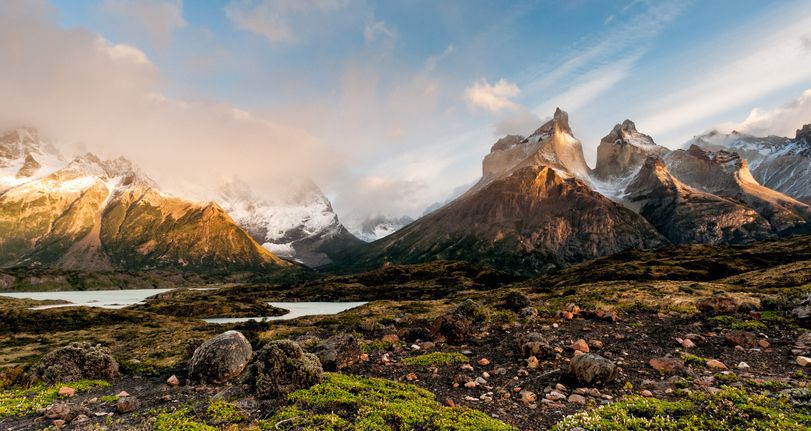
<point>297,309</point>
<point>89,298</point>
<point>122,298</point>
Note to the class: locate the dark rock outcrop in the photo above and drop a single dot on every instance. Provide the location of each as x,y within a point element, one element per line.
<point>281,367</point>
<point>591,369</point>
<point>338,352</point>
<point>77,361</point>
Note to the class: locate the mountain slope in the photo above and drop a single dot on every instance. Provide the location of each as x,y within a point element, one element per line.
<point>725,174</point>
<point>298,224</point>
<point>685,215</point>
<point>779,163</point>
<point>532,216</point>
<point>97,215</point>
<point>623,151</point>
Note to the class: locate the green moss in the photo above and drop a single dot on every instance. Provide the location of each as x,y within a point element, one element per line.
<point>734,322</point>
<point>108,398</point>
<point>349,403</point>
<point>693,359</point>
<point>379,345</point>
<point>729,409</point>
<point>17,402</point>
<point>772,317</point>
<point>224,412</point>
<point>180,420</point>
<point>436,359</point>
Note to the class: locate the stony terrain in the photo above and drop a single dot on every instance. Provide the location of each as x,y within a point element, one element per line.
<point>711,337</point>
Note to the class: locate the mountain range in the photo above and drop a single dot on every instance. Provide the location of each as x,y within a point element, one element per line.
<point>537,206</point>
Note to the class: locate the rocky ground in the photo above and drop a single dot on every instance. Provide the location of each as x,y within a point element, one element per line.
<point>673,349</point>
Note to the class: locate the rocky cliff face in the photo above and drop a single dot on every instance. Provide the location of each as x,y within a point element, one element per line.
<point>685,215</point>
<point>724,173</point>
<point>526,214</point>
<point>97,214</point>
<point>779,163</point>
<point>623,151</point>
<point>298,223</point>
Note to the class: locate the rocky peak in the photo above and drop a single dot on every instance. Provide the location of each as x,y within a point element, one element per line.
<point>558,123</point>
<point>506,142</point>
<point>30,166</point>
<point>17,143</point>
<point>804,134</point>
<point>623,150</point>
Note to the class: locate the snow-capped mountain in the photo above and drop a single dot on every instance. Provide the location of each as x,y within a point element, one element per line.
<point>780,163</point>
<point>297,223</point>
<point>373,228</point>
<point>98,214</point>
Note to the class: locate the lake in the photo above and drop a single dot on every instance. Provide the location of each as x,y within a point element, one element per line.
<point>122,298</point>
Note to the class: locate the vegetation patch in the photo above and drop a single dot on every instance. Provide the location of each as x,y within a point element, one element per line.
<point>224,412</point>
<point>17,402</point>
<point>693,359</point>
<point>437,359</point>
<point>180,420</point>
<point>348,403</point>
<point>735,322</point>
<point>729,409</point>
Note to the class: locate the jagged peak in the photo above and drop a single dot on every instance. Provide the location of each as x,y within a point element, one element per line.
<point>804,133</point>
<point>558,123</point>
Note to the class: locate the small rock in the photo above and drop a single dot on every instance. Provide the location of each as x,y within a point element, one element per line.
<point>483,362</point>
<point>555,396</point>
<point>532,362</point>
<point>172,381</point>
<point>59,423</point>
<point>411,377</point>
<point>450,403</point>
<point>66,391</point>
<point>581,346</point>
<point>480,381</point>
<point>646,393</point>
<point>803,361</point>
<point>763,344</point>
<point>743,366</point>
<point>589,368</point>
<point>471,384</point>
<point>688,343</point>
<point>58,411</point>
<point>597,344</point>
<point>741,338</point>
<point>528,397</point>
<point>666,365</point>
<point>127,404</point>
<point>577,399</point>
<point>390,338</point>
<point>716,364</point>
<point>122,394</point>
<point>364,357</point>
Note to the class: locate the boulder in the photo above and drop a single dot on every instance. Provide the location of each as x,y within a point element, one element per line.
<point>453,328</point>
<point>221,358</point>
<point>472,311</point>
<point>803,310</point>
<point>741,338</point>
<point>77,361</point>
<point>517,301</point>
<point>535,344</point>
<point>338,352</point>
<point>282,367</point>
<point>590,369</point>
<point>127,405</point>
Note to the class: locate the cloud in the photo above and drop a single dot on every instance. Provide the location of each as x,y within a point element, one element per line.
<point>492,97</point>
<point>522,122</point>
<point>432,61</point>
<point>781,121</point>
<point>272,18</point>
<point>158,19</point>
<point>376,30</point>
<point>367,195</point>
<point>77,88</point>
<point>760,64</point>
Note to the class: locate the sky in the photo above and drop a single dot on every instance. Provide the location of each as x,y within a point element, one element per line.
<point>388,106</point>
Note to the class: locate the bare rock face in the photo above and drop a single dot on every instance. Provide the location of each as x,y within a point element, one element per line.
<point>779,163</point>
<point>685,215</point>
<point>338,352</point>
<point>282,367</point>
<point>221,358</point>
<point>623,151</point>
<point>590,369</point>
<point>77,361</point>
<point>30,166</point>
<point>724,173</point>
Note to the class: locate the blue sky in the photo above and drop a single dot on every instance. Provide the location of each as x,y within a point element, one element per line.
<point>407,96</point>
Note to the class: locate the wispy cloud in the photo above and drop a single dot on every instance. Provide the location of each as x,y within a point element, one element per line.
<point>767,59</point>
<point>157,18</point>
<point>271,18</point>
<point>781,121</point>
<point>377,30</point>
